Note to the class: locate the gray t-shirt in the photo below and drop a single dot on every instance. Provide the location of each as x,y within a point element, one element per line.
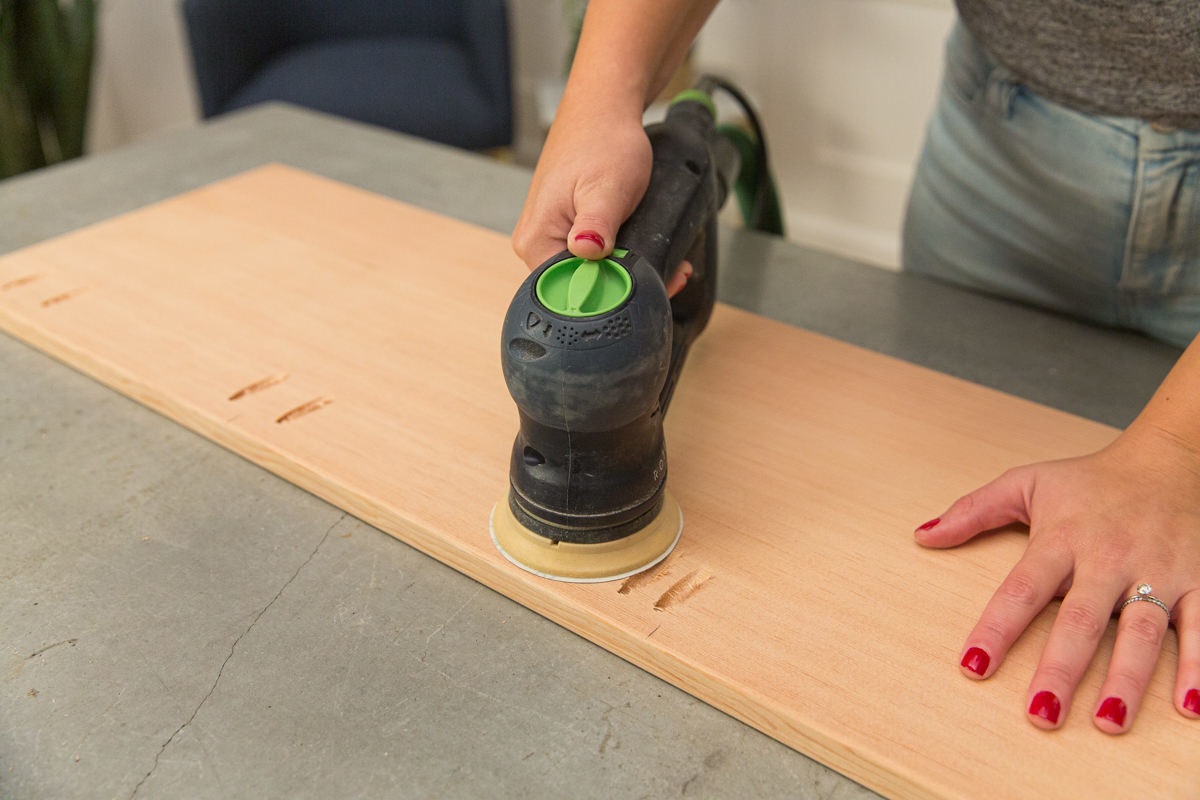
<point>1129,58</point>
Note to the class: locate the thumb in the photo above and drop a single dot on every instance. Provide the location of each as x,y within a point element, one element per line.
<point>599,210</point>
<point>999,503</point>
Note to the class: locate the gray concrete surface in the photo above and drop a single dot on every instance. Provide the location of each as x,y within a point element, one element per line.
<point>176,622</point>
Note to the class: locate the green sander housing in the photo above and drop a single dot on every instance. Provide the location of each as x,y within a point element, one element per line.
<point>591,353</point>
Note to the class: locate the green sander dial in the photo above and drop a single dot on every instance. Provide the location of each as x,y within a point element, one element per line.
<point>577,287</point>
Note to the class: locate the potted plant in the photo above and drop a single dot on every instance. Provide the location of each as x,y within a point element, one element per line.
<point>46,51</point>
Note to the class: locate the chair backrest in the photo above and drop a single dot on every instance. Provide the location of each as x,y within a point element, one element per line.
<point>302,21</point>
<point>232,39</point>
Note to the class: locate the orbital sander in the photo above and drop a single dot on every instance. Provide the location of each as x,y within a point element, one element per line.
<point>592,351</point>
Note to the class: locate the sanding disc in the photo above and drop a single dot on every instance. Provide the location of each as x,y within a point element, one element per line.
<point>587,563</point>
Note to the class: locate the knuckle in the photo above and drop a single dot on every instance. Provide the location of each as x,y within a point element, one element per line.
<point>1187,613</point>
<point>1066,531</point>
<point>967,511</point>
<point>598,186</point>
<point>1057,673</point>
<point>964,504</point>
<point>520,248</point>
<point>1012,474</point>
<point>1188,665</point>
<point>521,241</point>
<point>1019,589</point>
<point>1114,558</point>
<point>1082,619</point>
<point>992,631</point>
<point>1130,681</point>
<point>1142,629</point>
<point>970,507</point>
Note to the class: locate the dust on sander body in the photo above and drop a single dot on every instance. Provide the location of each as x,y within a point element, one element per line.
<point>591,352</point>
<point>586,353</point>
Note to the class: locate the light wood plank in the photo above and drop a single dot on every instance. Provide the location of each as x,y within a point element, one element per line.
<point>350,344</point>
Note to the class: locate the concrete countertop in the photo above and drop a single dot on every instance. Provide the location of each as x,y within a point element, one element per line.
<point>180,623</point>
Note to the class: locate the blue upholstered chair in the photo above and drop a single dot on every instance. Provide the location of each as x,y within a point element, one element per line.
<point>433,68</point>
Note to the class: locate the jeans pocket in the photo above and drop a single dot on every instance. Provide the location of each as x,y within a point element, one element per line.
<point>966,66</point>
<point>972,76</point>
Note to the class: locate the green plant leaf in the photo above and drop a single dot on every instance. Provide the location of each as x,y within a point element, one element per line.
<point>46,54</point>
<point>20,142</point>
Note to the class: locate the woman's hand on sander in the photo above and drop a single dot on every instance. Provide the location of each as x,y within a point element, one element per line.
<point>595,165</point>
<point>591,176</point>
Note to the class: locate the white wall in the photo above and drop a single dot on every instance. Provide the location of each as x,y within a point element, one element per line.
<point>141,80</point>
<point>539,41</point>
<point>844,87</point>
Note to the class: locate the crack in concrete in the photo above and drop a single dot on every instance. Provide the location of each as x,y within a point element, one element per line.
<point>232,649</point>
<point>37,653</point>
<point>449,619</point>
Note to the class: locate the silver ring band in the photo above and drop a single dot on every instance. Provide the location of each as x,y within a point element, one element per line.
<point>1143,593</point>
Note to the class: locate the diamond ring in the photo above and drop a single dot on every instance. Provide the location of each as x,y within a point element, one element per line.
<point>1143,592</point>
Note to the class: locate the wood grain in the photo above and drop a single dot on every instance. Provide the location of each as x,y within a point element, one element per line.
<point>349,343</point>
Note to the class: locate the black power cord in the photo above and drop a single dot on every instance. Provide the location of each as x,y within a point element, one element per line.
<point>765,213</point>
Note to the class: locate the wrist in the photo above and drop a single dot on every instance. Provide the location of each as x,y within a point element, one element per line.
<point>1157,448</point>
<point>591,108</point>
<point>604,82</point>
<point>627,49</point>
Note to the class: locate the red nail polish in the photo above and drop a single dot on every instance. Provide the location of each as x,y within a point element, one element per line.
<point>933,523</point>
<point>1191,700</point>
<point>1112,709</point>
<point>591,236</point>
<point>976,660</point>
<point>1046,705</point>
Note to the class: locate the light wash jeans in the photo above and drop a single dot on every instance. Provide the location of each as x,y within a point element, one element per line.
<point>1019,196</point>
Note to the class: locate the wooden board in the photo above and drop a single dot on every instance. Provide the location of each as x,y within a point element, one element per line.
<point>350,344</point>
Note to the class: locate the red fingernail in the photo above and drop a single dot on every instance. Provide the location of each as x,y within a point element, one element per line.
<point>1046,706</point>
<point>1191,700</point>
<point>591,236</point>
<point>933,523</point>
<point>1112,709</point>
<point>976,660</point>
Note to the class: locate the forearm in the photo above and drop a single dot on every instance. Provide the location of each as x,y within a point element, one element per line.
<point>596,162</point>
<point>627,52</point>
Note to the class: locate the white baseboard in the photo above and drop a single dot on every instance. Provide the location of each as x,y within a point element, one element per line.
<point>875,247</point>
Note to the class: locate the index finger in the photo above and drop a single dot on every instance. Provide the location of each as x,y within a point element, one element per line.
<point>1021,596</point>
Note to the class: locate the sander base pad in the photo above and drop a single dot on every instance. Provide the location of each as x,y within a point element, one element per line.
<point>587,563</point>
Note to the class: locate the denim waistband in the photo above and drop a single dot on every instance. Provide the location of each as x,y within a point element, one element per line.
<point>1152,138</point>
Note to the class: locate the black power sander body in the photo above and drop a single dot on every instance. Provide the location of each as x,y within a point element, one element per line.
<point>591,352</point>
